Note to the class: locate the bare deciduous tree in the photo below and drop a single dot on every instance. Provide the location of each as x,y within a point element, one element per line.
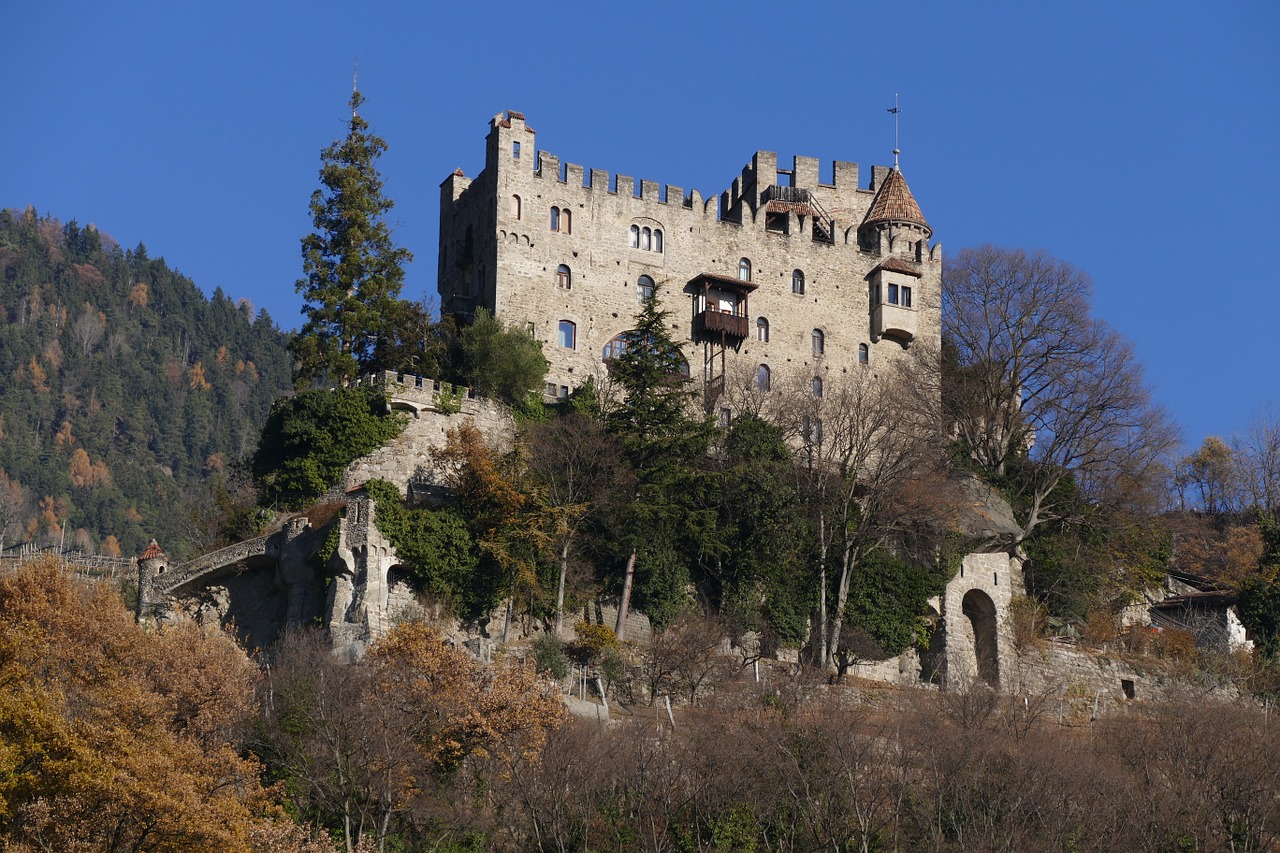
<point>577,464</point>
<point>1032,374</point>
<point>867,455</point>
<point>1257,455</point>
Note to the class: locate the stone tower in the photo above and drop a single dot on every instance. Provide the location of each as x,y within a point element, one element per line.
<point>152,563</point>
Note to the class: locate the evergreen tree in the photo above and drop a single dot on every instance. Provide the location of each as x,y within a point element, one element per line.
<point>354,272</point>
<point>664,446</point>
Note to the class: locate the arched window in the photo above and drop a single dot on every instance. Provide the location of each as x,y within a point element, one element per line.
<point>566,221</point>
<point>567,335</point>
<point>657,239</point>
<point>744,270</point>
<point>762,378</point>
<point>817,387</point>
<point>555,219</point>
<point>645,238</point>
<point>762,330</point>
<point>819,342</point>
<point>797,282</point>
<point>813,431</point>
<point>673,362</point>
<point>635,236</point>
<point>644,288</point>
<point>864,354</point>
<point>515,207</point>
<point>564,278</point>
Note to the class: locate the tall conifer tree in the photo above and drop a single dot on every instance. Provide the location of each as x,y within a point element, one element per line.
<point>663,444</point>
<point>353,269</point>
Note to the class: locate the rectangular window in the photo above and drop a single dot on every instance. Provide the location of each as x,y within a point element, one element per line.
<point>906,296</point>
<point>893,294</point>
<point>515,151</point>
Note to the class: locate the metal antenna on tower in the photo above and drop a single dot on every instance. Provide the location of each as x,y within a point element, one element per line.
<point>896,109</point>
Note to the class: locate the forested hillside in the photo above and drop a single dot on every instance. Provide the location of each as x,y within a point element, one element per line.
<point>126,395</point>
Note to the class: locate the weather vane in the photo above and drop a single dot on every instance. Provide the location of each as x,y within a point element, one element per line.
<point>895,110</point>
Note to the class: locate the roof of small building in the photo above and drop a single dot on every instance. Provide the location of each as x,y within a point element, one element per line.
<point>1208,599</point>
<point>894,203</point>
<point>727,281</point>
<point>152,552</point>
<point>899,265</point>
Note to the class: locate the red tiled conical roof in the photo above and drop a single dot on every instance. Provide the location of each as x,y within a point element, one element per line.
<point>153,551</point>
<point>894,203</point>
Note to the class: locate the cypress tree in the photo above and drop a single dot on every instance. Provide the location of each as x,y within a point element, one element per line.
<point>353,269</point>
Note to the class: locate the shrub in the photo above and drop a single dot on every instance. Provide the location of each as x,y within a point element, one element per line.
<point>549,656</point>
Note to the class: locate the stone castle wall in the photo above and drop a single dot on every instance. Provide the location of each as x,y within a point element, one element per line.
<point>407,457</point>
<point>492,257</point>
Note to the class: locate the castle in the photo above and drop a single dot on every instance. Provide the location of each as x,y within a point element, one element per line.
<point>780,275</point>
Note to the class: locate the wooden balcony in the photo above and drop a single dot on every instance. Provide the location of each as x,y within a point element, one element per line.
<point>719,326</point>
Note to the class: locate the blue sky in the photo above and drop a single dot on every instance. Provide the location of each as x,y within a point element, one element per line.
<point>1135,140</point>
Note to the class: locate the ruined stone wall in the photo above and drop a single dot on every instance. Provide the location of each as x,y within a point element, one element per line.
<point>407,457</point>
<point>509,264</point>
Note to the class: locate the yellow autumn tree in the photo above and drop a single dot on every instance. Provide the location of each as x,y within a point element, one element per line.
<point>116,739</point>
<point>139,296</point>
<point>197,381</point>
<point>81,469</point>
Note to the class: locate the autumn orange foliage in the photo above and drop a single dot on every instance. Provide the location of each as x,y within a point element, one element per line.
<point>116,739</point>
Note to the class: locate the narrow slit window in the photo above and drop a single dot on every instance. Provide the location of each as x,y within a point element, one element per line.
<point>635,236</point>
<point>515,207</point>
<point>657,239</point>
<point>555,219</point>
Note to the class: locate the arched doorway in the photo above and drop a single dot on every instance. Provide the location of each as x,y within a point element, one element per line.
<point>981,610</point>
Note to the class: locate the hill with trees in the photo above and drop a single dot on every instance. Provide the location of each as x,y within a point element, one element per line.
<point>126,395</point>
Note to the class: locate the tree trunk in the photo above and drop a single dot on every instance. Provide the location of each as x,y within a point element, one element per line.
<point>822,586</point>
<point>625,604</point>
<point>564,568</point>
<point>842,595</point>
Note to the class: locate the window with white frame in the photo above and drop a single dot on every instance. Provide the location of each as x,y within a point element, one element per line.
<point>644,288</point>
<point>744,270</point>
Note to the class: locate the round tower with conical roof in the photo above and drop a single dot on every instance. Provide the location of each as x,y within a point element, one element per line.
<point>152,563</point>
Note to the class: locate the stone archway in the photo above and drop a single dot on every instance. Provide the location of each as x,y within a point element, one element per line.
<point>981,610</point>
